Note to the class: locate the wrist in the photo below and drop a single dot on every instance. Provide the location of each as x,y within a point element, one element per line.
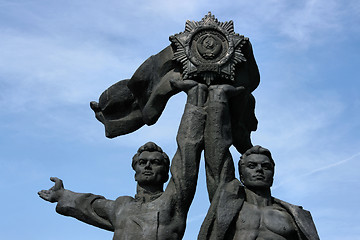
<point>59,195</point>
<point>217,95</point>
<point>197,95</point>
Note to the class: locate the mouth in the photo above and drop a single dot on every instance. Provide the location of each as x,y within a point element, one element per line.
<point>148,173</point>
<point>259,177</point>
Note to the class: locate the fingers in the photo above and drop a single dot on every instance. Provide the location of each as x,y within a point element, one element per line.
<point>198,92</point>
<point>183,85</point>
<point>58,183</point>
<point>202,94</point>
<point>227,89</point>
<point>95,106</point>
<point>44,194</point>
<point>236,91</point>
<point>54,179</point>
<point>241,88</point>
<point>202,86</point>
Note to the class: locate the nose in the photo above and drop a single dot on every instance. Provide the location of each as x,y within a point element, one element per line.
<point>259,168</point>
<point>148,164</point>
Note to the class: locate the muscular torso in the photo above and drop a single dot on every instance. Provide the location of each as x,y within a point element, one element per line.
<point>264,223</point>
<point>138,220</point>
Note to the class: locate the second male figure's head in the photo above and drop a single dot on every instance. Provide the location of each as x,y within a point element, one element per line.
<point>256,168</point>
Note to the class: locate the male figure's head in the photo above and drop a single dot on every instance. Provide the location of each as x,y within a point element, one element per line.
<point>151,165</point>
<point>256,168</point>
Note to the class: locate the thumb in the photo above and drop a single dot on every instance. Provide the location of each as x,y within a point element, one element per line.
<point>58,183</point>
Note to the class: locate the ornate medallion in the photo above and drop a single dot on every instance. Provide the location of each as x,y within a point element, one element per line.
<point>208,50</point>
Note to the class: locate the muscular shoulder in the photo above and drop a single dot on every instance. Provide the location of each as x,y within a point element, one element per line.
<point>288,206</point>
<point>228,193</point>
<point>233,188</point>
<point>123,200</point>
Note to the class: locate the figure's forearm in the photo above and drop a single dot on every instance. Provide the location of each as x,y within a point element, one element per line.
<point>191,129</point>
<point>79,206</point>
<point>218,136</point>
<point>185,164</point>
<point>218,139</point>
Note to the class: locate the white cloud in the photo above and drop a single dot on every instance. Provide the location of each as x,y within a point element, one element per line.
<point>308,22</point>
<point>324,168</point>
<point>301,23</point>
<point>41,71</point>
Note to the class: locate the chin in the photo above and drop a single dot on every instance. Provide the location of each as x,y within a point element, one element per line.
<point>259,185</point>
<point>149,181</point>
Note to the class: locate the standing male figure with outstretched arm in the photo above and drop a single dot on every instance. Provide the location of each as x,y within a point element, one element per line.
<point>153,213</point>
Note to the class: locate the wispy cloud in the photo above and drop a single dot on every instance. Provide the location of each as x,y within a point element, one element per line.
<point>301,24</point>
<point>310,19</point>
<point>332,165</point>
<point>321,169</point>
<point>43,70</point>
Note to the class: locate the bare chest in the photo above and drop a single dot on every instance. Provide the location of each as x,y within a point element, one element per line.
<point>140,221</point>
<point>264,223</point>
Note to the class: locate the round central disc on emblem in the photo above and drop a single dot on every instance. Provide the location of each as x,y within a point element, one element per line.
<point>209,46</point>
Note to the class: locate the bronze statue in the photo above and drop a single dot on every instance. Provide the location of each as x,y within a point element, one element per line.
<point>219,113</point>
<point>153,213</point>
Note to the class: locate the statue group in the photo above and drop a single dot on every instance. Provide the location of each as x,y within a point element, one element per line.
<point>216,68</point>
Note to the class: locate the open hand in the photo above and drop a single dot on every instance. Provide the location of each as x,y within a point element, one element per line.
<point>55,193</point>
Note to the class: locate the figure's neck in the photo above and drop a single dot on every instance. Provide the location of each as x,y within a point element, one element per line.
<point>148,193</point>
<point>258,197</point>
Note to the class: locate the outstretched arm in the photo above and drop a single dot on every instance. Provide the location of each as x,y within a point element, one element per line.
<point>218,137</point>
<point>86,207</point>
<point>190,139</point>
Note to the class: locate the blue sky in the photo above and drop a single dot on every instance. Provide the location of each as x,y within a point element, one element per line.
<point>57,56</point>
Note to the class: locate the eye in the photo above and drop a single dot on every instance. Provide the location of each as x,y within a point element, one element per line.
<point>156,162</point>
<point>142,162</point>
<point>266,166</point>
<point>251,165</point>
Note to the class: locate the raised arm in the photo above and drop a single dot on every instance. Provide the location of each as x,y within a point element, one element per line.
<point>218,137</point>
<point>86,207</point>
<point>190,139</point>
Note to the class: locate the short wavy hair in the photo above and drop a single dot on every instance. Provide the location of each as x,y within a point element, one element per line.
<point>256,150</point>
